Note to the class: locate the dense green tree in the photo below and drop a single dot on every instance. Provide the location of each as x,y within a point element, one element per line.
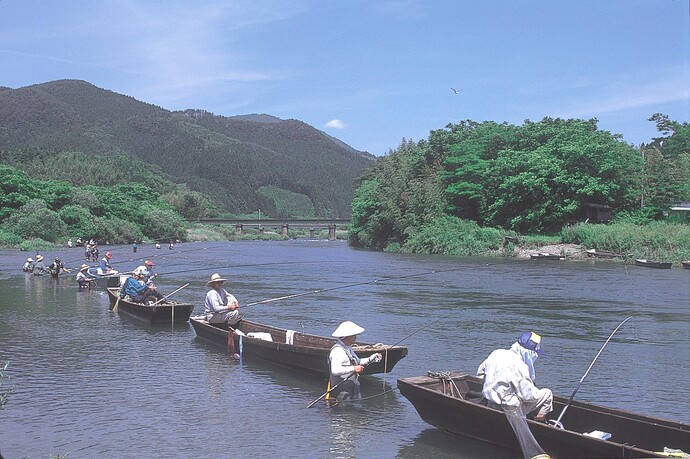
<point>666,175</point>
<point>402,191</point>
<point>191,205</point>
<point>538,176</point>
<point>34,219</point>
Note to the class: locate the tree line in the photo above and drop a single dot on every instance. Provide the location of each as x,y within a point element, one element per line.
<point>488,178</point>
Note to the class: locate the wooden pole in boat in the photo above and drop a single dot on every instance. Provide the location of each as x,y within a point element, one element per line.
<point>557,422</point>
<point>174,291</point>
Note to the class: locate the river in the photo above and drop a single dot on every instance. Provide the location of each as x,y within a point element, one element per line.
<point>91,384</point>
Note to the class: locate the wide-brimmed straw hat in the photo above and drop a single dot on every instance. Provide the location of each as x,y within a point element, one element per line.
<point>83,267</point>
<point>29,259</point>
<point>39,257</point>
<point>216,278</point>
<point>346,329</point>
<point>149,263</point>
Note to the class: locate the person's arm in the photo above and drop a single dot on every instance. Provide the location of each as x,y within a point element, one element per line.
<point>340,364</point>
<point>231,301</point>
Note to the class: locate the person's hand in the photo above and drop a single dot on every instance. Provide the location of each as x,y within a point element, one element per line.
<point>359,368</point>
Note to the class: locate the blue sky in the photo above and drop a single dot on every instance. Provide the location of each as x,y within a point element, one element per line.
<point>368,72</point>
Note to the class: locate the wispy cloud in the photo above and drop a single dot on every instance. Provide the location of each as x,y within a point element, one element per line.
<point>335,124</point>
<point>630,96</point>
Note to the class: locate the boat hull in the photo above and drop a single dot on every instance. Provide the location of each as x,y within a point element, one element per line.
<point>158,314</point>
<point>546,256</point>
<point>308,352</point>
<point>632,435</point>
<point>653,264</point>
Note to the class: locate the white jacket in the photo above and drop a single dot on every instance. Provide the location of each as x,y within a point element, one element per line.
<point>508,379</point>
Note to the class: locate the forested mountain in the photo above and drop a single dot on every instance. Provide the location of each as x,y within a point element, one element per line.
<point>233,160</point>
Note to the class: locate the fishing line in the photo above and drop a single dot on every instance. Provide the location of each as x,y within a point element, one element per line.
<point>557,422</point>
<point>330,289</point>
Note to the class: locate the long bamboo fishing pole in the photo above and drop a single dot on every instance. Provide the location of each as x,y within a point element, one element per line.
<point>557,422</point>
<point>329,289</point>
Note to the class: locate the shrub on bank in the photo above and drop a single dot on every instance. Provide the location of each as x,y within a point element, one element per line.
<point>452,236</point>
<point>36,245</point>
<point>654,240</point>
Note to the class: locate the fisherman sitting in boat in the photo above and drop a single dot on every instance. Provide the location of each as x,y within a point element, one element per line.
<point>138,290</point>
<point>509,378</point>
<point>345,365</point>
<point>85,281</point>
<point>104,267</point>
<point>221,307</point>
<point>28,265</point>
<point>146,270</point>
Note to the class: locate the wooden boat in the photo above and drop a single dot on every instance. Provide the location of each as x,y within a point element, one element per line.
<point>546,256</point>
<point>105,281</point>
<point>632,435</point>
<point>167,312</point>
<point>603,254</point>
<point>686,264</point>
<point>652,264</point>
<point>292,348</point>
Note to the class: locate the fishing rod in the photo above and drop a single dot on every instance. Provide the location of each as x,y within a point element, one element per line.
<point>557,422</point>
<point>209,268</point>
<point>329,289</point>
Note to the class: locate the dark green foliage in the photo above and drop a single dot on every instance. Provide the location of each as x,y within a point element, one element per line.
<point>226,159</point>
<point>35,219</point>
<point>117,214</point>
<point>537,176</point>
<point>288,203</point>
<point>402,191</point>
<point>534,178</point>
<point>452,236</point>
<point>666,176</point>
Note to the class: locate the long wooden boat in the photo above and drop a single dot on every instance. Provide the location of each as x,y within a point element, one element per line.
<point>685,264</point>
<point>653,264</point>
<point>546,256</point>
<point>459,412</point>
<point>603,254</point>
<point>167,312</point>
<point>291,348</point>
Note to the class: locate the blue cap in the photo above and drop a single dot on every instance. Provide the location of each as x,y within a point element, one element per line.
<point>531,341</point>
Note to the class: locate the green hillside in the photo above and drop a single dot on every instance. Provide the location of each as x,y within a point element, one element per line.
<point>228,159</point>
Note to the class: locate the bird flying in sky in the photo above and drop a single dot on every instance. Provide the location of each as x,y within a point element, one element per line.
<point>456,91</point>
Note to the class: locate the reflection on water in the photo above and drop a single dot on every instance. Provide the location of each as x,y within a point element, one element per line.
<point>91,383</point>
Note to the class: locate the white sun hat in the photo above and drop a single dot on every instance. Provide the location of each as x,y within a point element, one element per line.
<point>347,328</point>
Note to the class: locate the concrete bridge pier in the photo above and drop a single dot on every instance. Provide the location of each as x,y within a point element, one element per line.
<point>311,232</point>
<point>238,229</point>
<point>284,230</point>
<point>331,232</point>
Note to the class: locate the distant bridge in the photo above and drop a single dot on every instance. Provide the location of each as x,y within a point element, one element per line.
<point>281,224</point>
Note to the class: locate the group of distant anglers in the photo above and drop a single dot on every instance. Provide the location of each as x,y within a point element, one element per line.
<point>86,276</point>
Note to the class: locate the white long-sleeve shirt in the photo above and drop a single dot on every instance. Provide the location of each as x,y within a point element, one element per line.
<point>218,301</point>
<point>506,375</point>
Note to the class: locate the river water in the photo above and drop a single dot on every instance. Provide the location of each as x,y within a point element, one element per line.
<point>89,383</point>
